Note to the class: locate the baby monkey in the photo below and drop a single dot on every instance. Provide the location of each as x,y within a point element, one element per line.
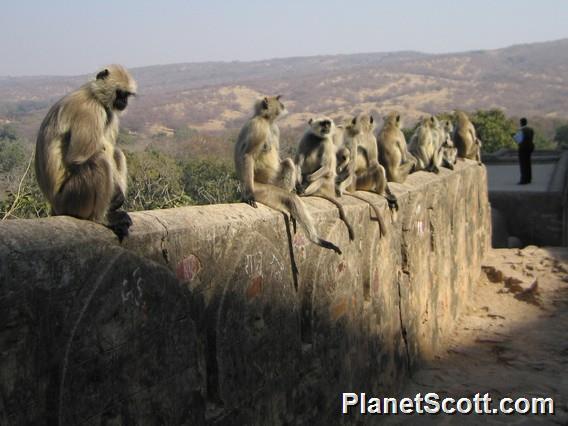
<point>357,166</point>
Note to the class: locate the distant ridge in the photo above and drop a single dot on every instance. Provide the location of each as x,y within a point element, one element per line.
<point>528,79</point>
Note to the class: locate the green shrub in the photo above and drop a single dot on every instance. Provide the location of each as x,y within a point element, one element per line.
<point>12,155</point>
<point>494,129</point>
<point>154,182</point>
<point>210,182</point>
<point>30,203</point>
<point>7,131</point>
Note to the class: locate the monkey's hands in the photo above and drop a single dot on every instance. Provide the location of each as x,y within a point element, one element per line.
<point>344,174</point>
<point>250,200</point>
<point>433,169</point>
<point>119,222</point>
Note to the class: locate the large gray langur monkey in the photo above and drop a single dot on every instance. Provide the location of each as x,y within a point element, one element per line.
<point>426,145</point>
<point>316,163</point>
<point>393,152</point>
<point>465,138</point>
<point>78,166</point>
<point>263,175</point>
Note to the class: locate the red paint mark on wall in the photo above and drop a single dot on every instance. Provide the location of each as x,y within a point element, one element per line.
<point>255,287</point>
<point>339,309</point>
<point>299,240</point>
<point>188,268</point>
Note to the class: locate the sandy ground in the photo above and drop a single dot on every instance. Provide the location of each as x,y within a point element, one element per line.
<point>512,341</point>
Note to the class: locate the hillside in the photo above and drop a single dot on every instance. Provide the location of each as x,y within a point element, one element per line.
<point>214,97</point>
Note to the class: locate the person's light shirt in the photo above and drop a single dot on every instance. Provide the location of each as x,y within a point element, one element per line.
<point>519,136</point>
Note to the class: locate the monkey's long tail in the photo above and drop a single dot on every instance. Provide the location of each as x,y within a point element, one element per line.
<point>382,226</point>
<point>341,214</point>
<point>286,202</point>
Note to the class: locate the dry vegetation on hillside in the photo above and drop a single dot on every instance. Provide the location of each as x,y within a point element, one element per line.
<point>216,98</point>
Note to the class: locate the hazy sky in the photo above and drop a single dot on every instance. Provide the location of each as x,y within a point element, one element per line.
<point>73,37</point>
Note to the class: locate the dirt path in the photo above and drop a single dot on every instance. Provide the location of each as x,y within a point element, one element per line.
<point>511,342</point>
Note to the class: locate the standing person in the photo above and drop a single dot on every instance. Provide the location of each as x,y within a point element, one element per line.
<point>524,138</point>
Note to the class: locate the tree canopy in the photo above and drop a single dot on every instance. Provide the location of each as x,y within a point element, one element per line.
<point>494,129</point>
<point>561,135</point>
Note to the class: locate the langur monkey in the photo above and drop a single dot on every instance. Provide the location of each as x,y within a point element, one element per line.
<point>426,145</point>
<point>358,167</point>
<point>346,151</point>
<point>343,177</point>
<point>79,168</point>
<point>465,138</point>
<point>393,153</point>
<point>263,176</point>
<point>449,151</point>
<point>371,176</point>
<point>316,164</point>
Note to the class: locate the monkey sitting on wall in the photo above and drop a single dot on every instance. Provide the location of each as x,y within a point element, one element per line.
<point>263,176</point>
<point>465,138</point>
<point>393,153</point>
<point>344,140</point>
<point>316,164</point>
<point>344,165</point>
<point>449,151</point>
<point>371,176</point>
<point>425,145</point>
<point>358,167</point>
<point>78,166</point>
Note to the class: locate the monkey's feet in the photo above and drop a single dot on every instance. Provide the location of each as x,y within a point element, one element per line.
<point>119,222</point>
<point>299,189</point>
<point>250,200</point>
<point>449,166</point>
<point>432,169</point>
<point>392,201</point>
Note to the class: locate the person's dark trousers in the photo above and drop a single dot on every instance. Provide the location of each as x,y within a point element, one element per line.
<point>525,163</point>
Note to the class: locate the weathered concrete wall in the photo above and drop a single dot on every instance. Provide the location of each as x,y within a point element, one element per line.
<point>198,316</point>
<point>90,331</point>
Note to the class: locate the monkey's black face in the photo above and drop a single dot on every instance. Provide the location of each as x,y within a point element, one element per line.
<point>121,100</point>
<point>325,127</point>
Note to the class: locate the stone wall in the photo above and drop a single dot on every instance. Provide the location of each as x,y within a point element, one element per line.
<point>534,217</point>
<point>200,317</point>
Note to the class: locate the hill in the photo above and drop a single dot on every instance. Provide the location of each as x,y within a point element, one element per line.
<point>216,97</point>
